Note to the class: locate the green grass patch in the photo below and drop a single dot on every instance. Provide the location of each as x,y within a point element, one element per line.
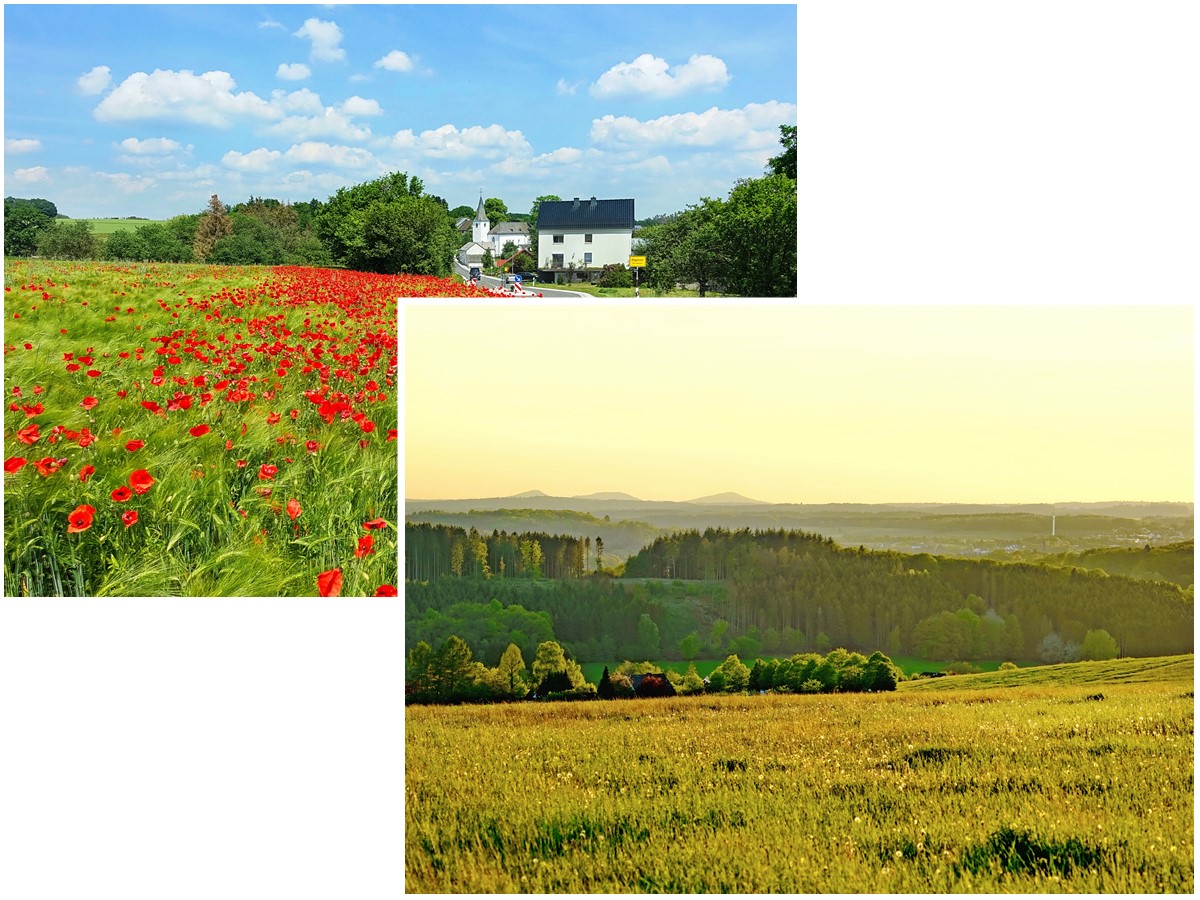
<point>111,226</point>
<point>1174,670</point>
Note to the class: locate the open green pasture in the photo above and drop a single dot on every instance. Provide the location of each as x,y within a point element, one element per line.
<point>1080,780</point>
<point>111,226</point>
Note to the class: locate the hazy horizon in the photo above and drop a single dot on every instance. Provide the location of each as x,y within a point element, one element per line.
<point>580,495</point>
<point>796,403</point>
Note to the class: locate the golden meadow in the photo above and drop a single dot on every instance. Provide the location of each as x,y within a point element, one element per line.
<point>1074,778</point>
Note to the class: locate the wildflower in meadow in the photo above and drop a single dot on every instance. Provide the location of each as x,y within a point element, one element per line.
<point>80,518</point>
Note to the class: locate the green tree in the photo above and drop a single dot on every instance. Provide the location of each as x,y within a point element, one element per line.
<point>62,240</point>
<point>1098,644</point>
<point>496,211</point>
<point>647,638</point>
<point>512,671</point>
<point>123,245</point>
<point>756,230</point>
<point>549,660</point>
<point>785,162</point>
<point>605,688</point>
<point>689,645</point>
<point>22,223</point>
<point>462,212</point>
<point>735,675</point>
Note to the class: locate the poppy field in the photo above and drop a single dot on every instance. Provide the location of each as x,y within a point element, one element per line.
<point>200,430</point>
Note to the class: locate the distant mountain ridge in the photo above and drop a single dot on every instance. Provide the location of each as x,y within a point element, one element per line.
<point>729,498</point>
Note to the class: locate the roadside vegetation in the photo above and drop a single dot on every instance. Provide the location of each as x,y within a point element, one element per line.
<point>1077,783</point>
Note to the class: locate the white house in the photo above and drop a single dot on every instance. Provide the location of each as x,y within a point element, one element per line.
<point>587,233</point>
<point>516,232</point>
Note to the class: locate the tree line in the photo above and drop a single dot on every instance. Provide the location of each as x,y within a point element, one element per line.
<point>452,674</point>
<point>434,551</point>
<point>695,595</point>
<point>389,225</point>
<point>798,583</point>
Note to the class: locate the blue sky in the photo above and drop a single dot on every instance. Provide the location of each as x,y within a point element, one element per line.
<point>148,110</point>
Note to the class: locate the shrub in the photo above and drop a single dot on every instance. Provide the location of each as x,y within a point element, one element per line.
<point>615,275</point>
<point>1008,667</point>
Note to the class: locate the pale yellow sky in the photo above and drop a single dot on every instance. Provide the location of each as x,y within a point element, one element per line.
<point>801,404</point>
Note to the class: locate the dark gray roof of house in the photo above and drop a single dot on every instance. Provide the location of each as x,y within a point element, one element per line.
<point>511,228</point>
<point>589,213</point>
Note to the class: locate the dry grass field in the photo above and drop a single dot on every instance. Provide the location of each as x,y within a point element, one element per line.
<point>1076,781</point>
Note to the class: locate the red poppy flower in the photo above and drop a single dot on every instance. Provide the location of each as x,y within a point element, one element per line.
<point>329,584</point>
<point>88,402</point>
<point>266,472</point>
<point>375,525</point>
<point>29,434</point>
<point>294,509</point>
<point>129,517</point>
<point>80,518</point>
<point>47,465</point>
<point>140,480</point>
<point>385,590</point>
<point>272,418</point>
<point>311,446</point>
<point>366,545</point>
<point>121,494</point>
<point>86,472</point>
<point>133,446</point>
<point>199,430</point>
<point>13,463</point>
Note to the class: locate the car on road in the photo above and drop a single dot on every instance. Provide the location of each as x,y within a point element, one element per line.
<point>475,273</point>
<point>513,278</point>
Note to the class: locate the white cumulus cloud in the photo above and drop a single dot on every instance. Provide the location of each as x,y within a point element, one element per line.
<point>208,99</point>
<point>325,38</point>
<point>396,61</point>
<point>126,183</point>
<point>259,160</point>
<point>95,81</point>
<point>31,175</point>
<point>330,155</point>
<point>21,145</point>
<point>150,146</point>
<point>299,102</point>
<point>360,106</point>
<point>475,140</point>
<point>651,76</point>
<point>754,125</point>
<point>330,123</point>
<point>293,71</point>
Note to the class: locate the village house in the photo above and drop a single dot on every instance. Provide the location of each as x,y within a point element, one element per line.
<point>576,235</point>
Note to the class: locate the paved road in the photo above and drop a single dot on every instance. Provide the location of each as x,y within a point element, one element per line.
<point>489,281</point>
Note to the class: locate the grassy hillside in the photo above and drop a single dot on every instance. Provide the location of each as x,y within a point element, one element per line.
<point>1173,670</point>
<point>937,788</point>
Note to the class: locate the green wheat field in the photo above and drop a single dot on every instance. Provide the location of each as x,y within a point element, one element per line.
<point>1074,778</point>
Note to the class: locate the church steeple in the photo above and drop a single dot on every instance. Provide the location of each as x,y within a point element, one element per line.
<point>480,225</point>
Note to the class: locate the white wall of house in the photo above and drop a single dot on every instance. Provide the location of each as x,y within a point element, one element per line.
<point>499,240</point>
<point>611,245</point>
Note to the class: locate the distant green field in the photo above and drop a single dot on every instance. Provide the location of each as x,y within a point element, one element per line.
<point>1153,670</point>
<point>110,226</point>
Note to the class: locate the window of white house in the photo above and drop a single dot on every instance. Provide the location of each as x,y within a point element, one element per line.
<point>587,259</point>
<point>557,260</point>
<point>558,239</point>
<point>587,238</point>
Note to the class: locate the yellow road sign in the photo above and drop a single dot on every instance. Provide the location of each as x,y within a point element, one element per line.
<point>637,262</point>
